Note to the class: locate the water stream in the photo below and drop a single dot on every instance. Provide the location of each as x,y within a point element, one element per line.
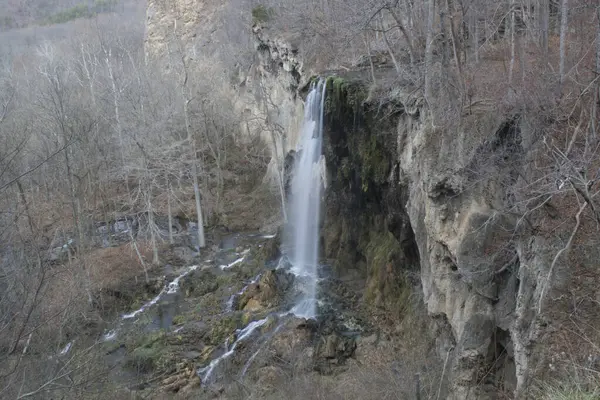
<point>242,334</point>
<point>303,227</point>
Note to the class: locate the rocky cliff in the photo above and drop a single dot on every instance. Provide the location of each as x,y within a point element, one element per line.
<point>407,198</point>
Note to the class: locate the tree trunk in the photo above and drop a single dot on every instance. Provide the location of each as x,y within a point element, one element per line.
<point>429,51</point>
<point>544,27</point>
<point>455,47</point>
<point>201,241</point>
<point>563,41</point>
<point>117,113</point>
<point>280,174</point>
<point>475,17</point>
<point>137,251</point>
<point>389,49</point>
<point>598,44</point>
<point>152,227</point>
<point>368,44</point>
<point>513,37</point>
<point>404,32</point>
<point>76,212</point>
<point>170,214</point>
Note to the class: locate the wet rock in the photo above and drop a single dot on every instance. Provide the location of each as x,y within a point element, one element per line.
<point>267,292</point>
<point>333,350</point>
<point>253,305</point>
<point>270,249</point>
<point>183,382</point>
<point>199,282</point>
<point>191,355</point>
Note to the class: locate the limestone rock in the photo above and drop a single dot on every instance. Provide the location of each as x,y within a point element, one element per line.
<point>332,350</point>
<point>267,292</point>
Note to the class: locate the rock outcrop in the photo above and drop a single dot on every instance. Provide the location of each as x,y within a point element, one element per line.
<point>405,196</point>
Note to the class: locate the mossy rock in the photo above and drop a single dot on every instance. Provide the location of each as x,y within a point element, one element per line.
<point>149,353</point>
<point>223,328</point>
<point>257,259</point>
<point>267,292</point>
<point>209,304</point>
<point>179,319</point>
<point>386,284</point>
<point>198,283</point>
<point>262,14</point>
<point>144,359</point>
<point>344,98</point>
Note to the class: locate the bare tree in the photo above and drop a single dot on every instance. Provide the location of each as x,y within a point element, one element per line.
<point>429,51</point>
<point>564,13</point>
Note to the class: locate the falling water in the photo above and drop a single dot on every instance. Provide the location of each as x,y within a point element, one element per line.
<point>305,202</point>
<point>242,334</point>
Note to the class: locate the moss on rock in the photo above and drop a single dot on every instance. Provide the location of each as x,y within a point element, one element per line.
<point>148,353</point>
<point>223,328</point>
<point>386,285</point>
<point>365,230</point>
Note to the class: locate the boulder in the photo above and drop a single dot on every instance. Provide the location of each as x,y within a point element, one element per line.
<point>267,292</point>
<point>333,349</point>
<point>199,282</point>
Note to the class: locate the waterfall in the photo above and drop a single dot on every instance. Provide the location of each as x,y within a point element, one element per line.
<point>305,201</point>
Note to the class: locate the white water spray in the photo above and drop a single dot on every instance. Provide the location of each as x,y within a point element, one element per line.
<point>306,200</point>
<point>242,334</point>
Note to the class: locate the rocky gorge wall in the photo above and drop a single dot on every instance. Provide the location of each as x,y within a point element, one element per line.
<point>407,199</point>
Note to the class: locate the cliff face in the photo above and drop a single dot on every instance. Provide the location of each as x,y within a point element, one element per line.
<point>407,197</point>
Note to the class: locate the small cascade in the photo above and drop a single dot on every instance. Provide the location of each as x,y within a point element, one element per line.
<point>235,262</point>
<point>171,288</point>
<point>207,372</point>
<point>66,349</point>
<point>303,228</point>
<point>230,301</point>
<point>257,352</point>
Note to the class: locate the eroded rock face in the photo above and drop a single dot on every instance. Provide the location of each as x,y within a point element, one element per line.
<point>267,293</point>
<point>437,201</point>
<point>469,269</point>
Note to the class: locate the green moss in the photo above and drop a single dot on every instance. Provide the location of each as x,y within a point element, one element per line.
<point>270,324</point>
<point>223,280</point>
<point>81,11</point>
<point>148,353</point>
<point>374,160</point>
<point>344,98</point>
<point>223,328</point>
<point>143,359</point>
<point>386,284</point>
<point>179,319</point>
<point>246,318</point>
<point>262,14</point>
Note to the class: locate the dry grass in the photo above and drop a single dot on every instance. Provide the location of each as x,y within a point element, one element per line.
<point>114,265</point>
